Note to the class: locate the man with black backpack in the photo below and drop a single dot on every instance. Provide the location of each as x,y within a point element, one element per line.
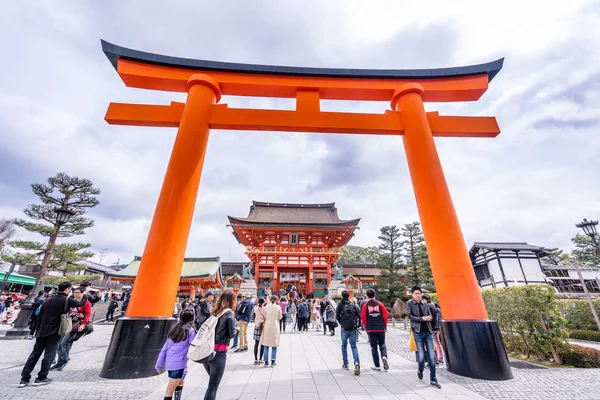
<point>348,315</point>
<point>303,316</point>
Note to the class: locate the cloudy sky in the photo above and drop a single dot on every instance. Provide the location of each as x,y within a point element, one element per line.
<point>532,183</point>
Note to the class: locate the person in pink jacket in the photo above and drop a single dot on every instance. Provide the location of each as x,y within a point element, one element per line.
<point>283,302</point>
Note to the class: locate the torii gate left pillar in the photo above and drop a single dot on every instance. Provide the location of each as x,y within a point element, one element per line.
<point>473,345</point>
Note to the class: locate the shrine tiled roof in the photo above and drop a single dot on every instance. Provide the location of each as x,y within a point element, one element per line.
<point>292,214</point>
<point>230,268</point>
<point>192,268</point>
<point>360,270</point>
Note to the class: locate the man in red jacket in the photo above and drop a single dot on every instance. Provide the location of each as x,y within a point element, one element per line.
<point>374,318</point>
<point>81,317</point>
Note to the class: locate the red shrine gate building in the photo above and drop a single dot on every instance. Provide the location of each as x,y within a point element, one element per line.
<point>293,243</point>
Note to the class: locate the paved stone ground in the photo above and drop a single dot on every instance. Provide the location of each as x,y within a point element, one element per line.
<point>534,384</point>
<point>308,368</point>
<point>79,380</point>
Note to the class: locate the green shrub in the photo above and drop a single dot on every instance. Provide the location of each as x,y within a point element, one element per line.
<point>396,316</point>
<point>578,315</point>
<point>582,357</point>
<point>389,310</point>
<point>434,297</point>
<point>529,319</point>
<point>404,315</point>
<point>593,336</point>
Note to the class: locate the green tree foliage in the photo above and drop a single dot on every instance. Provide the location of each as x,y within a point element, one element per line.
<point>578,315</point>
<point>62,190</point>
<point>390,263</point>
<point>359,255</point>
<point>20,253</point>
<point>530,320</point>
<point>348,256</point>
<point>418,268</point>
<point>584,251</point>
<point>554,256</point>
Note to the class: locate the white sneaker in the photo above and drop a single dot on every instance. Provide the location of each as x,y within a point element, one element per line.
<point>376,368</point>
<point>386,365</point>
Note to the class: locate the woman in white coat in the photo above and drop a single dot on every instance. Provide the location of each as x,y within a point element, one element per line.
<point>270,334</point>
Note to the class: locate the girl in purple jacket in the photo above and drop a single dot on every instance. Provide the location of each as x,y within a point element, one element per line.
<point>173,356</point>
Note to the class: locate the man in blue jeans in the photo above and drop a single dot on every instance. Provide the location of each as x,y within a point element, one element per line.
<point>347,315</point>
<point>421,323</point>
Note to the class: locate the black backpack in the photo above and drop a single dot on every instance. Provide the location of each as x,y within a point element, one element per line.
<point>349,316</point>
<point>304,311</point>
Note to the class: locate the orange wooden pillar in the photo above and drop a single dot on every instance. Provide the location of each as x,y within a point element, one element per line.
<point>162,259</point>
<point>457,289</point>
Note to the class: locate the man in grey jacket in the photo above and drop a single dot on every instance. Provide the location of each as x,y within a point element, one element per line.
<point>421,320</point>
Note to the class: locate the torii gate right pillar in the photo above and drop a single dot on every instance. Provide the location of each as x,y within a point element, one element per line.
<point>473,344</point>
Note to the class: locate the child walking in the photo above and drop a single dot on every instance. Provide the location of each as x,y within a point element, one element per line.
<point>330,319</point>
<point>173,356</point>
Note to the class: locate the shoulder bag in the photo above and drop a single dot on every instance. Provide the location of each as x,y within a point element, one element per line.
<point>66,324</point>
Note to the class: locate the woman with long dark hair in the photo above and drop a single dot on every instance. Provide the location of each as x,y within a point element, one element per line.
<point>173,356</point>
<point>259,321</point>
<point>225,331</point>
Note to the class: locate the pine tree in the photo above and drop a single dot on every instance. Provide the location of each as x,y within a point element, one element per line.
<point>390,263</point>
<point>416,259</point>
<point>554,256</point>
<point>585,251</point>
<point>62,192</point>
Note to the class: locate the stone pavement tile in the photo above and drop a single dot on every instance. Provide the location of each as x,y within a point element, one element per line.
<point>230,392</point>
<point>357,396</point>
<point>279,390</point>
<point>331,392</point>
<point>256,387</point>
<point>307,396</point>
<point>352,387</point>
<point>367,380</point>
<point>285,396</point>
<point>304,386</point>
<point>284,383</point>
<point>251,396</point>
<point>380,393</point>
<point>322,378</point>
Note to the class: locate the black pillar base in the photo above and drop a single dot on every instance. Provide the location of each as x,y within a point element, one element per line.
<point>21,327</point>
<point>475,349</point>
<point>134,347</point>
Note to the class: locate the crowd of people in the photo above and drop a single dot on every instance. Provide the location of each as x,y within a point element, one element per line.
<point>227,319</point>
<point>59,319</point>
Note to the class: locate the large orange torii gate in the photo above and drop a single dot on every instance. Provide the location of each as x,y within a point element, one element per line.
<point>473,344</point>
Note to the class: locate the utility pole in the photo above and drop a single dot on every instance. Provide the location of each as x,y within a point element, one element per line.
<point>102,253</point>
<point>589,227</point>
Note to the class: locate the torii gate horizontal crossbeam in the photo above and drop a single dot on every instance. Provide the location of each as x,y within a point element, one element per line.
<point>224,117</point>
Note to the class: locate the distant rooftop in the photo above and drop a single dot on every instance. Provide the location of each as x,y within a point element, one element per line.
<point>513,246</point>
<point>97,267</point>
